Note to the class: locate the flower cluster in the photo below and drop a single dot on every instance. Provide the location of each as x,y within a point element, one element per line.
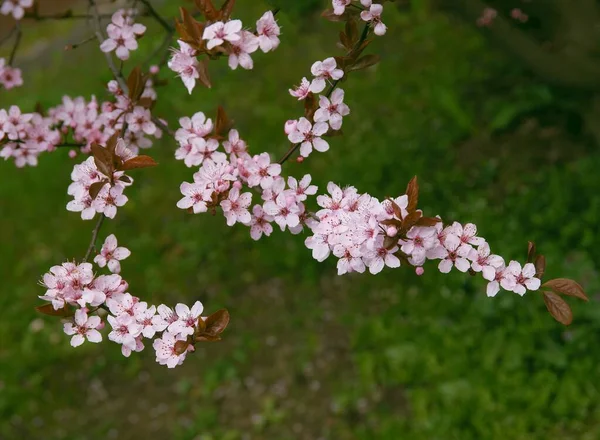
<point>16,8</point>
<point>10,77</point>
<point>123,33</point>
<point>131,320</point>
<point>371,13</point>
<point>225,38</point>
<point>77,122</point>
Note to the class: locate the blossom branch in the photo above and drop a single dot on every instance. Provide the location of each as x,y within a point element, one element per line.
<point>16,44</point>
<point>95,232</point>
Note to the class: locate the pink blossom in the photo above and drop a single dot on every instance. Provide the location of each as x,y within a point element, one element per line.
<point>303,188</point>
<point>524,278</point>
<point>16,8</point>
<point>122,40</point>
<point>241,50</point>
<point>144,316</point>
<point>481,258</point>
<point>140,119</point>
<point>185,64</point>
<point>235,207</point>
<point>309,136</point>
<point>373,15</point>
<point>219,32</point>
<point>195,196</point>
<point>418,241</point>
<point>260,223</point>
<point>196,126</point>
<point>165,350</point>
<point>498,276</point>
<point>332,111</point>
<point>349,259</point>
<point>111,254</point>
<point>380,257</point>
<point>262,171</point>
<point>234,146</point>
<point>302,91</point>
<point>108,199</point>
<point>453,256</point>
<point>323,71</point>
<point>187,319</point>
<point>339,6</point>
<point>10,77</point>
<point>285,212</point>
<point>82,328</point>
<point>122,304</point>
<point>268,32</point>
<point>125,330</point>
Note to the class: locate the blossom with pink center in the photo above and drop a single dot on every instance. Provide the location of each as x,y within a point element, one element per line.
<point>303,188</point>
<point>235,207</point>
<point>349,259</point>
<point>144,316</point>
<point>263,172</point>
<point>524,278</point>
<point>109,199</point>
<point>111,255</point>
<point>418,241</point>
<point>219,32</point>
<point>66,284</point>
<point>122,40</point>
<point>339,6</point>
<point>16,8</point>
<point>216,176</point>
<point>332,203</point>
<point>380,257</point>
<point>284,210</point>
<point>185,64</point>
<point>164,317</point>
<point>323,71</point>
<point>10,77</point>
<point>481,258</point>
<point>140,119</point>
<point>234,146</point>
<point>187,319</point>
<point>122,304</point>
<point>196,126</point>
<point>454,255</point>
<point>166,353</point>
<point>82,328</point>
<point>260,223</point>
<point>268,32</point>
<point>110,285</point>
<point>125,330</point>
<point>195,196</point>
<point>302,91</point>
<point>332,111</point>
<point>241,49</point>
<point>373,15</point>
<point>498,276</point>
<point>309,136</point>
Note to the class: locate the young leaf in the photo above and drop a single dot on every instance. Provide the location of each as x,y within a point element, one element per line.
<point>428,221</point>
<point>216,323</point>
<point>207,338</point>
<point>96,187</point>
<point>103,160</point>
<point>410,220</point>
<point>540,266</point>
<point>134,83</point>
<point>226,9</point>
<point>138,162</point>
<point>203,73</point>
<point>558,308</point>
<point>48,309</point>
<point>222,122</point>
<point>351,30</point>
<point>364,62</point>
<point>111,143</point>
<point>181,346</point>
<point>567,287</point>
<point>412,191</point>
<point>530,251</point>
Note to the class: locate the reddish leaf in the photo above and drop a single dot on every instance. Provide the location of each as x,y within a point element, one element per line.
<point>138,162</point>
<point>410,220</point>
<point>96,187</point>
<point>530,251</point>
<point>145,102</point>
<point>364,62</point>
<point>111,143</point>
<point>216,323</point>
<point>558,308</point>
<point>181,346</point>
<point>351,30</point>
<point>390,242</point>
<point>412,191</point>
<point>203,72</point>
<point>567,287</point>
<point>329,15</point>
<point>391,222</point>
<point>540,266</point>
<point>103,159</point>
<point>344,40</point>
<point>226,9</point>
<point>428,221</point>
<point>48,309</point>
<point>134,83</point>
<point>207,338</point>
<point>222,122</point>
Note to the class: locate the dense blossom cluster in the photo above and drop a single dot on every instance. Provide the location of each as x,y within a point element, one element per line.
<point>123,33</point>
<point>10,77</point>
<point>131,320</point>
<point>227,38</point>
<point>77,122</point>
<point>15,8</point>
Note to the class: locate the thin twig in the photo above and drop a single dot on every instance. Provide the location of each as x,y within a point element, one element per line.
<point>157,17</point>
<point>82,42</point>
<point>162,125</point>
<point>92,245</point>
<point>294,147</point>
<point>65,16</point>
<point>16,45</point>
<point>9,35</point>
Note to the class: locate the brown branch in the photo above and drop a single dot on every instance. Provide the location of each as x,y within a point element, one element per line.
<point>16,45</point>
<point>95,231</point>
<point>152,12</point>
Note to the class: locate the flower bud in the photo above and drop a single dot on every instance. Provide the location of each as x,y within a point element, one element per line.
<point>300,159</point>
<point>101,325</point>
<point>237,184</point>
<point>154,69</point>
<point>391,231</point>
<point>419,271</point>
<point>72,154</point>
<point>290,126</point>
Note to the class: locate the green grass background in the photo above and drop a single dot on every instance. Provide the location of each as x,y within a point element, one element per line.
<point>310,355</point>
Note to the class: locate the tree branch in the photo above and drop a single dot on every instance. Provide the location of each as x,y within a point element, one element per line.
<point>92,245</point>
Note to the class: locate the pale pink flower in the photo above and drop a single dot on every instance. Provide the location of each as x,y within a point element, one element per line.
<point>111,254</point>
<point>187,319</point>
<point>122,40</point>
<point>498,276</point>
<point>15,7</point>
<point>323,71</point>
<point>195,197</point>
<point>140,119</point>
<point>309,136</point>
<point>260,223</point>
<point>333,110</point>
<point>108,199</point>
<point>234,146</point>
<point>196,126</point>
<point>125,330</point>
<point>302,91</point>
<point>110,285</point>
<point>454,255</point>
<point>165,317</point>
<point>482,258</point>
<point>349,259</point>
<point>263,171</point>
<point>82,328</point>
<point>235,207</point>
<point>10,77</point>
<point>418,241</point>
<point>339,6</point>
<point>144,316</point>
<point>285,212</point>
<point>165,350</point>
<point>219,32</point>
<point>122,304</point>
<point>373,15</point>
<point>303,188</point>
<point>268,32</point>
<point>241,50</point>
<point>524,278</point>
<point>185,64</point>
<point>380,257</point>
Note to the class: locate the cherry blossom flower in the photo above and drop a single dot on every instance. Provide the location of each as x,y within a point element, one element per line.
<point>195,196</point>
<point>285,212</point>
<point>349,259</point>
<point>453,256</point>
<point>125,330</point>
<point>263,172</point>
<point>140,119</point>
<point>498,276</point>
<point>481,258</point>
<point>187,319</point>
<point>323,71</point>
<point>380,257</point>
<point>241,50</point>
<point>144,316</point>
<point>234,146</point>
<point>235,207</point>
<point>122,304</point>
<point>15,7</point>
<point>260,223</point>
<point>111,254</point>
<point>166,352</point>
<point>268,32</point>
<point>185,64</point>
<point>219,32</point>
<point>303,188</point>
<point>333,110</point>
<point>196,126</point>
<point>309,136</point>
<point>524,278</point>
<point>121,40</point>
<point>373,15</point>
<point>339,6</point>
<point>418,241</point>
<point>302,91</point>
<point>108,199</point>
<point>82,328</point>
<point>10,77</point>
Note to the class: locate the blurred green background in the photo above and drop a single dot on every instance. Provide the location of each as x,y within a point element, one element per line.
<point>310,355</point>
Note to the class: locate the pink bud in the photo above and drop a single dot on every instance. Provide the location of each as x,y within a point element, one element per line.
<point>72,154</point>
<point>419,271</point>
<point>515,13</point>
<point>154,69</point>
<point>290,126</point>
<point>100,326</point>
<point>300,159</point>
<point>237,184</point>
<point>391,231</point>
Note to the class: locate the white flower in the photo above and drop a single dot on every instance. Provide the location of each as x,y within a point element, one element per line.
<point>111,254</point>
<point>309,136</point>
<point>83,328</point>
<point>333,110</point>
<point>219,32</point>
<point>187,319</point>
